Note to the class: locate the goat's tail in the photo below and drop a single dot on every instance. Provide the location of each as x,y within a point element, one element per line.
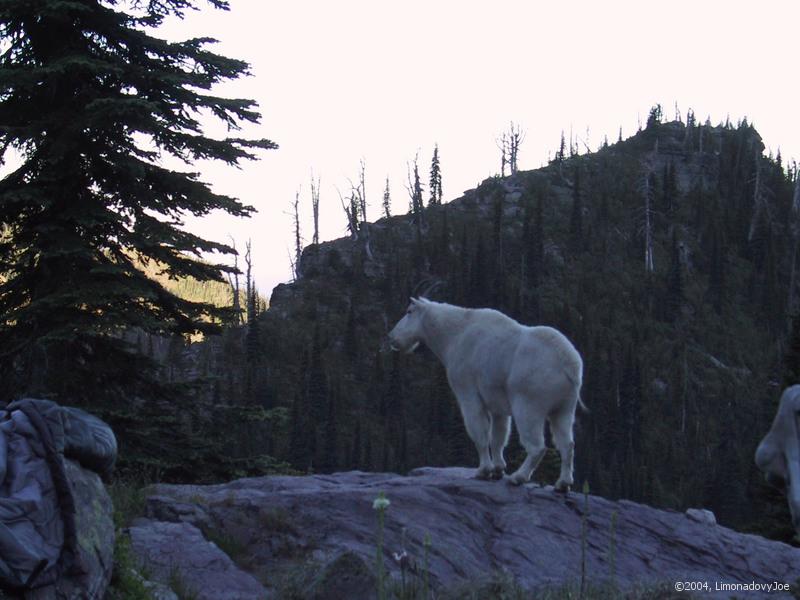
<point>583,407</point>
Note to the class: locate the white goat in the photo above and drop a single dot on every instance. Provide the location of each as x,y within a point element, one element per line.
<point>497,369</point>
<point>778,454</point>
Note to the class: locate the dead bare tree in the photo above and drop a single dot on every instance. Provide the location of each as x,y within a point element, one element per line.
<point>502,144</point>
<point>315,207</point>
<point>350,209</point>
<point>387,200</point>
<point>233,281</point>
<point>515,138</point>
<point>509,143</point>
<point>761,208</point>
<point>648,168</point>
<point>648,225</point>
<point>250,300</point>
<point>358,195</point>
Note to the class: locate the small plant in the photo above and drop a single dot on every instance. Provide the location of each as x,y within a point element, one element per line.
<point>380,504</point>
<point>226,542</point>
<point>128,498</point>
<point>179,586</point>
<point>276,520</point>
<point>126,583</point>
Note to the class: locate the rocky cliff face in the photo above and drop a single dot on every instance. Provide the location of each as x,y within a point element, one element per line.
<point>316,537</point>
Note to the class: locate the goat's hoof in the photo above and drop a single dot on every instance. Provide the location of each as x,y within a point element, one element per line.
<point>483,474</point>
<point>562,487</point>
<point>516,479</point>
<point>497,473</point>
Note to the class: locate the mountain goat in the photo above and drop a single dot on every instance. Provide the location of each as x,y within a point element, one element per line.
<point>497,369</point>
<point>778,454</point>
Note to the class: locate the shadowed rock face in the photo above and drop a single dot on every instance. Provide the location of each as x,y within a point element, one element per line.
<point>476,528</point>
<point>95,540</point>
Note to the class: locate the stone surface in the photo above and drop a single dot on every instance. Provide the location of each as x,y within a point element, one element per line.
<point>178,555</point>
<point>476,528</point>
<point>702,515</point>
<point>95,527</point>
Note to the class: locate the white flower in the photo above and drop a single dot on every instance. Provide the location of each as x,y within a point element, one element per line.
<point>381,502</point>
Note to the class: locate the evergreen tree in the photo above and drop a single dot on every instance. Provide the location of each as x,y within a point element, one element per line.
<point>92,100</point>
<point>716,275</point>
<point>669,188</point>
<point>416,202</point>
<point>354,460</point>
<point>562,149</point>
<point>316,381</point>
<point>436,178</point>
<point>576,217</point>
<point>655,116</point>
<point>675,297</point>
<point>330,444</point>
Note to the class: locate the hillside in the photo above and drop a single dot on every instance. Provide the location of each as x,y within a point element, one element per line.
<point>684,363</point>
<point>685,351</point>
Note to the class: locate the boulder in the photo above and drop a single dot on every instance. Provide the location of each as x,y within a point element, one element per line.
<point>179,556</point>
<point>323,528</point>
<point>56,517</point>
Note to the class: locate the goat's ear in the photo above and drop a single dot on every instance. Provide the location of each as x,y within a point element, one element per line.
<point>415,301</point>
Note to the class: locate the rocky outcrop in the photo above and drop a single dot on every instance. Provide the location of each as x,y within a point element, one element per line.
<point>315,534</point>
<point>95,541</point>
<point>205,570</point>
<point>95,529</point>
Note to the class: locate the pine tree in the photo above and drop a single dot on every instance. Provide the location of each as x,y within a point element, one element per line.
<point>576,217</point>
<point>674,297</point>
<point>436,178</point>
<point>655,116</point>
<point>562,149</point>
<point>330,444</point>
<point>716,275</point>
<point>416,202</point>
<point>354,460</point>
<point>92,100</point>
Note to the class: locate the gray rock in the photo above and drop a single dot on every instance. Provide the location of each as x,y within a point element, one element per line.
<point>95,528</point>
<point>476,528</point>
<point>179,556</point>
<point>702,515</point>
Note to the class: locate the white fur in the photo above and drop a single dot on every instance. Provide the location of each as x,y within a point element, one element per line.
<point>778,454</point>
<point>497,369</point>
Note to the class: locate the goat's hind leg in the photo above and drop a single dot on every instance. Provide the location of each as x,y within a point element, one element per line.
<point>561,428</point>
<point>530,427</point>
<point>501,427</point>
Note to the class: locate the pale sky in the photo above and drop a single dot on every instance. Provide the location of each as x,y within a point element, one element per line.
<point>345,80</point>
